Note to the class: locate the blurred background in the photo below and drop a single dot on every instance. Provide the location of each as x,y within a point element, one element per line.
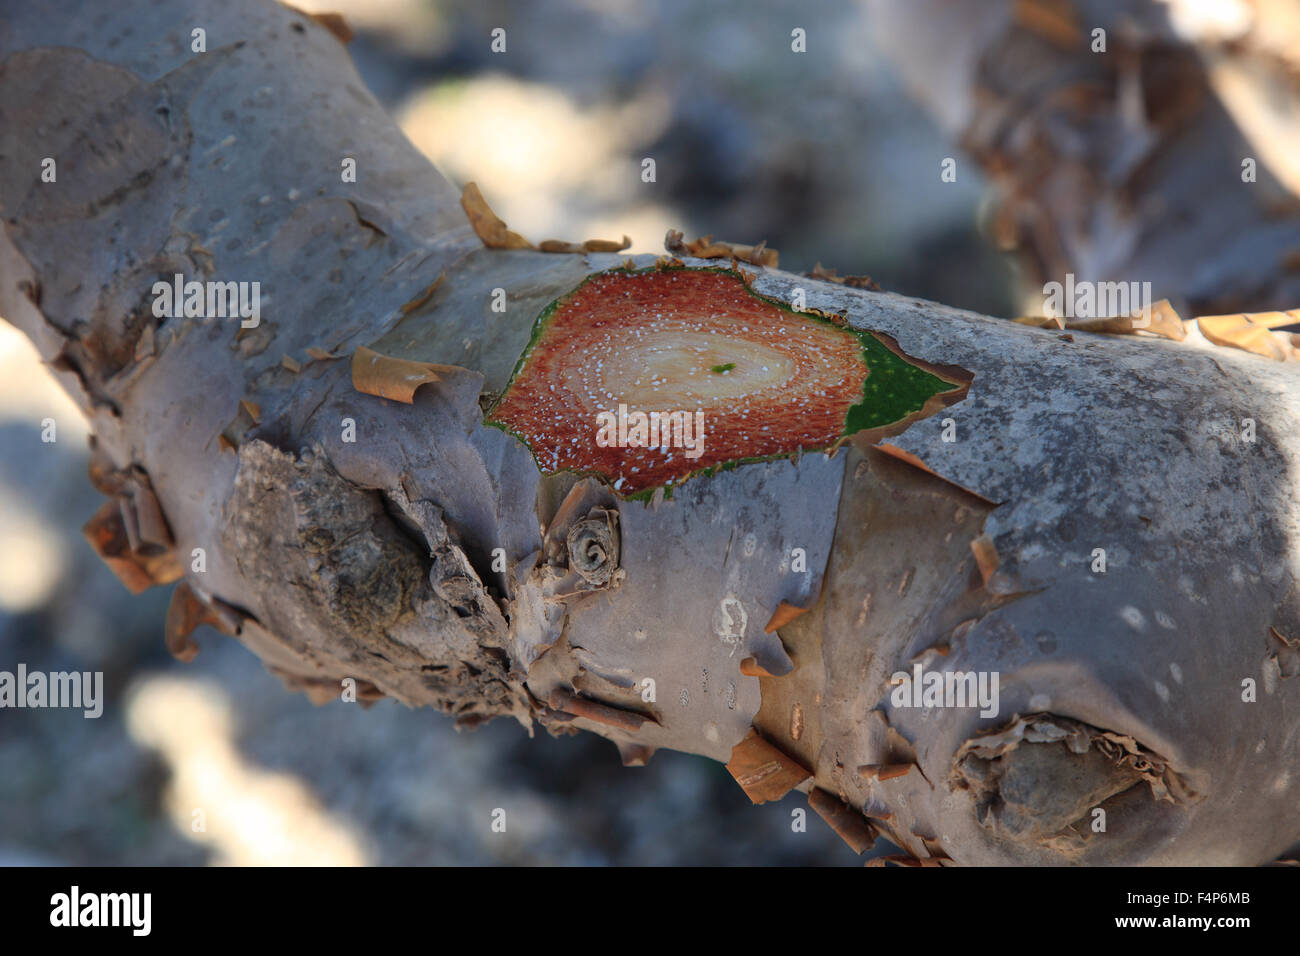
<point>821,154</point>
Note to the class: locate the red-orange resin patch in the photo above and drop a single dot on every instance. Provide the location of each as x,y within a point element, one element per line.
<point>768,381</point>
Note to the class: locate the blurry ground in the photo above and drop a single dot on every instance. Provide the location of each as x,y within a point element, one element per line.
<point>819,153</point>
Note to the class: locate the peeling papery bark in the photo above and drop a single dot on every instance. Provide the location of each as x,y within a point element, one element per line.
<point>1116,143</point>
<point>770,616</point>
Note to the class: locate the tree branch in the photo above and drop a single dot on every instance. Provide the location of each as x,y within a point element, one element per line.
<point>423,554</point>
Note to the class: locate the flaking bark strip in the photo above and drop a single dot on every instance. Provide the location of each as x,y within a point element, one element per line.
<point>335,24</point>
<point>106,532</point>
<point>1041,322</point>
<point>885,771</point>
<point>986,557</point>
<point>187,610</point>
<point>408,307</point>
<point>589,245</point>
<point>899,859</point>
<point>783,615</point>
<point>488,225</point>
<point>770,656</point>
<point>152,534</point>
<point>396,378</point>
<point>606,714</point>
<point>332,22</point>
<point>321,691</point>
<point>764,772</point>
<point>1251,332</point>
<point>893,451</point>
<point>232,436</point>
<point>706,248</point>
<point>1162,321</point>
<point>851,826</point>
<point>751,668</point>
<point>1284,654</point>
<point>146,528</point>
<point>184,614</point>
<point>853,282</point>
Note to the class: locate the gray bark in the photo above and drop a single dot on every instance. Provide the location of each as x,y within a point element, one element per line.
<point>371,559</point>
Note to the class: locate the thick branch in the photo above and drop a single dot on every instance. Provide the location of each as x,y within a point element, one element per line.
<point>419,551</point>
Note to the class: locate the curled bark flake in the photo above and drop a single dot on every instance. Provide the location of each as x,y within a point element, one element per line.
<point>232,436</point>
<point>1284,653</point>
<point>152,535</point>
<point>1041,321</point>
<point>488,225</point>
<point>706,248</point>
<point>610,716</point>
<point>750,667</point>
<point>396,378</point>
<point>1053,20</point>
<point>106,532</point>
<point>579,501</point>
<point>321,691</point>
<point>187,610</point>
<point>903,455</point>
<point>1251,332</point>
<point>986,557</point>
<point>130,532</point>
<point>849,824</point>
<point>783,615</point>
<point>853,282</point>
<point>1163,320</point>
<point>764,772</point>
<point>590,245</point>
<point>899,859</point>
<point>885,771</point>
<point>335,24</point>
